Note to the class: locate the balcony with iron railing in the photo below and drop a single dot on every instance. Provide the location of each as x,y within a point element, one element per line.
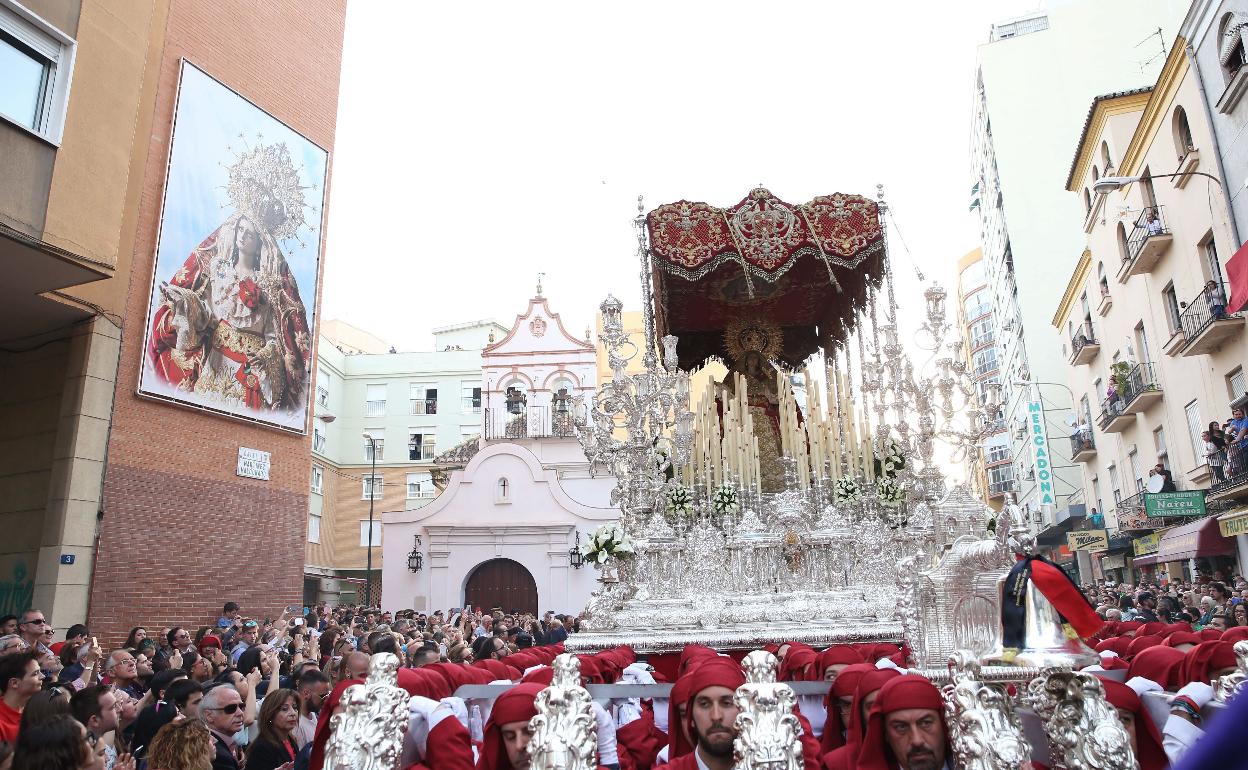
<point>1143,389</point>
<point>424,406</point>
<point>1205,324</point>
<point>1114,419</point>
<point>375,408</point>
<point>1082,446</point>
<point>1146,244</point>
<point>529,422</point>
<point>1084,345</point>
<point>421,452</point>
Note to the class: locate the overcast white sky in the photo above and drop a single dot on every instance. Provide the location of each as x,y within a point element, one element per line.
<point>479,144</point>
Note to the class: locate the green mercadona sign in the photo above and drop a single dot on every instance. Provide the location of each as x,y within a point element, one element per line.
<point>1161,504</point>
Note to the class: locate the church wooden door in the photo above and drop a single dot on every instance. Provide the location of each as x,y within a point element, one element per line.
<point>504,584</point>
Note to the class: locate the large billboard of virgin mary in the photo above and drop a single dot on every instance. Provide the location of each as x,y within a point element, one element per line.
<point>231,313</point>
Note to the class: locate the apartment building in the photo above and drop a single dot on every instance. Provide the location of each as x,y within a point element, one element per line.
<point>382,420</point>
<point>992,467</point>
<point>1034,79</point>
<point>1150,353</point>
<point>95,464</point>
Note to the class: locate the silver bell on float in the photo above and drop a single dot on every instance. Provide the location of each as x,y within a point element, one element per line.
<point>1047,641</point>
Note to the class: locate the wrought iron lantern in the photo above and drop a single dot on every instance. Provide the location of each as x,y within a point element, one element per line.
<point>575,557</point>
<point>415,559</point>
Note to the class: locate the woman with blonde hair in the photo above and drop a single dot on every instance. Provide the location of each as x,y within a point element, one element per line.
<point>183,744</point>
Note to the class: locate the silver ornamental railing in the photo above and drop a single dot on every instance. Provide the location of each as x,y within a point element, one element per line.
<point>986,708</point>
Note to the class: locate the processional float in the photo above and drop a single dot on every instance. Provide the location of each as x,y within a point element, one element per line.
<point>796,501</point>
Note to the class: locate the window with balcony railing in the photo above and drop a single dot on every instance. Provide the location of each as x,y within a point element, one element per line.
<point>424,406</point>
<point>375,408</point>
<point>322,395</point>
<point>1207,307</point>
<point>997,454</point>
<point>419,486</point>
<point>1141,379</point>
<point>373,487</point>
<point>318,441</point>
<point>1081,441</point>
<point>1084,335</point>
<point>1149,224</point>
<point>471,399</point>
<point>374,450</point>
<point>421,446</point>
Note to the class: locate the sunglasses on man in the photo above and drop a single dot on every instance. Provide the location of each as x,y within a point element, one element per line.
<point>228,709</point>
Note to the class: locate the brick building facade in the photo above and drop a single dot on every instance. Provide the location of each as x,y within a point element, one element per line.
<point>123,510</point>
<point>172,470</point>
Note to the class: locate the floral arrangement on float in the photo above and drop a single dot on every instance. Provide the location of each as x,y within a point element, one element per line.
<point>725,500</point>
<point>608,542</point>
<point>847,491</point>
<point>679,499</point>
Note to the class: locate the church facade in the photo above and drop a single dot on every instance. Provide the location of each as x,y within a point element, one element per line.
<point>501,532</point>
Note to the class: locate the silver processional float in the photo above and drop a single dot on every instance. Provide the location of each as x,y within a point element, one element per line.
<point>781,500</point>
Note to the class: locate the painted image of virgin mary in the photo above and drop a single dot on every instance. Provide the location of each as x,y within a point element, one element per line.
<point>231,326</point>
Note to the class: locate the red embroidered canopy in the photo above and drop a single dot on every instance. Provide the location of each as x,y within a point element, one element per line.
<point>803,268</point>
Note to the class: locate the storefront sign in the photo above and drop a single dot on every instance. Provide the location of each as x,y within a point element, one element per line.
<point>1234,525</point>
<point>1159,504</point>
<point>1146,544</point>
<point>253,463</point>
<point>1117,561</point>
<point>1040,451</point>
<point>1088,540</point>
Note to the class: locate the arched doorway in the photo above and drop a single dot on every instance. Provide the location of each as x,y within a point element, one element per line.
<point>501,583</point>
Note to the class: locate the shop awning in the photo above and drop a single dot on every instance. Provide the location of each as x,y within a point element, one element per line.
<point>1144,561</point>
<point>1200,538</point>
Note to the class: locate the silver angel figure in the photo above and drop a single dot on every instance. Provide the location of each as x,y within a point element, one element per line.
<point>1083,729</point>
<point>368,733</point>
<point>565,733</point>
<point>1232,684</point>
<point>984,730</point>
<point>767,730</point>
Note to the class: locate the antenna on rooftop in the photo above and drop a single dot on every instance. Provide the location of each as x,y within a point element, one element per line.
<point>1161,38</point>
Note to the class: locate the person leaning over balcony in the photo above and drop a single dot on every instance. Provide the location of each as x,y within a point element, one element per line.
<point>1216,299</point>
<point>1237,442</point>
<point>1215,455</point>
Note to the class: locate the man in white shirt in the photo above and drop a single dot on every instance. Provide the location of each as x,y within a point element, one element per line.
<point>313,687</point>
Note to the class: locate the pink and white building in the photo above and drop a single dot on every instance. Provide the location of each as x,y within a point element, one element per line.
<point>500,533</point>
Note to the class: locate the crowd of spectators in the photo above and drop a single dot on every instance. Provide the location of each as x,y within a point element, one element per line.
<point>239,692</point>
<point>258,694</point>
<point>1212,601</point>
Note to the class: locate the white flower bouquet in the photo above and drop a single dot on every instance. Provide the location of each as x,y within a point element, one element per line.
<point>847,491</point>
<point>679,499</point>
<point>890,493</point>
<point>608,542</point>
<point>725,500</point>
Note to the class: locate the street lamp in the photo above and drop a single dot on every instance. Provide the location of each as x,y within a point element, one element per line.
<point>415,560</point>
<point>1107,184</point>
<point>372,495</point>
<point>1039,382</point>
<point>575,557</point>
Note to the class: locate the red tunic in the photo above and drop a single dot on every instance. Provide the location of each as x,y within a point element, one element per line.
<point>10,720</point>
<point>449,747</point>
